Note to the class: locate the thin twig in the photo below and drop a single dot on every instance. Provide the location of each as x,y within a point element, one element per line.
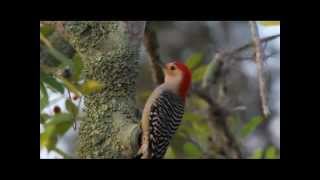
<point>214,70</point>
<point>217,113</point>
<point>266,57</point>
<point>259,60</point>
<point>250,44</point>
<point>151,44</point>
<point>218,121</point>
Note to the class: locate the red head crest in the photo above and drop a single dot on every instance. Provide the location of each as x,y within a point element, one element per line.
<point>186,78</point>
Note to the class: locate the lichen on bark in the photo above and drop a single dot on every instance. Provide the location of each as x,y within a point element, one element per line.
<point>110,129</point>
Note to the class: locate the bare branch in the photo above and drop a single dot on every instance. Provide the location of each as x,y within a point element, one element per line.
<point>222,139</point>
<point>213,71</point>
<point>250,44</point>
<point>151,44</point>
<point>259,62</point>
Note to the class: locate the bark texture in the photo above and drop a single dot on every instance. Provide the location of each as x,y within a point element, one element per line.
<point>110,54</point>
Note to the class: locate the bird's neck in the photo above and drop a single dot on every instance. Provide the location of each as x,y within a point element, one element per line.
<point>174,88</point>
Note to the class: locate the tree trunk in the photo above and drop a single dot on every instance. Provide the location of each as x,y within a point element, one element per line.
<point>110,51</point>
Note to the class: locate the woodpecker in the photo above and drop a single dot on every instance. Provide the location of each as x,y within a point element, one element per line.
<point>163,110</point>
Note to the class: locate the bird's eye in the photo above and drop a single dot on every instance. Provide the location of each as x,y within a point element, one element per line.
<point>172,68</point>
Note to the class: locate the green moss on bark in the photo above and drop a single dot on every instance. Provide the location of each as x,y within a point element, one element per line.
<point>108,58</point>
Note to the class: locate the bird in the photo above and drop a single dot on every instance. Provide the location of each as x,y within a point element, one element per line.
<point>163,110</point>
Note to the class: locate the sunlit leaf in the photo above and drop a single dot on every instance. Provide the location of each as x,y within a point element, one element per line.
<point>77,67</point>
<point>251,126</point>
<point>72,108</point>
<point>91,86</point>
<point>194,60</point>
<point>59,118</point>
<point>271,153</point>
<point>270,23</point>
<point>52,82</point>
<point>258,154</point>
<point>61,122</point>
<point>73,88</point>
<point>191,150</point>
<point>56,125</point>
<point>198,73</point>
<point>48,139</point>
<point>44,99</point>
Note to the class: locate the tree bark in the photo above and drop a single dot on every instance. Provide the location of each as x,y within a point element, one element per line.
<point>110,53</point>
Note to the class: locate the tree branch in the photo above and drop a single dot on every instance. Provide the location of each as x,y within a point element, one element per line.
<point>251,44</point>
<point>152,45</point>
<point>222,140</point>
<point>259,63</point>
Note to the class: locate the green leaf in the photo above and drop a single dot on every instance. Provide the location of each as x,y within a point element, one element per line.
<point>48,138</point>
<point>191,150</point>
<point>62,122</point>
<point>73,88</point>
<point>44,99</point>
<point>56,125</point>
<point>62,128</point>
<point>46,30</point>
<point>52,82</point>
<point>202,131</point>
<point>270,23</point>
<point>169,154</point>
<point>198,74</point>
<point>55,53</point>
<point>271,153</point>
<point>77,67</point>
<point>258,154</point>
<point>177,143</point>
<point>251,126</point>
<point>61,57</point>
<point>72,108</point>
<point>194,60</point>
<point>91,86</point>
<point>198,103</point>
<point>60,118</point>
<point>188,116</point>
<point>44,117</point>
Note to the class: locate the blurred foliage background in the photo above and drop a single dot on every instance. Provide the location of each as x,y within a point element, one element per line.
<point>196,43</point>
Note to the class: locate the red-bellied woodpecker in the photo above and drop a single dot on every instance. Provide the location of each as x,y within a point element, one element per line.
<point>163,110</point>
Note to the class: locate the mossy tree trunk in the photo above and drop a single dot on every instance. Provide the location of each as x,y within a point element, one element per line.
<point>110,53</point>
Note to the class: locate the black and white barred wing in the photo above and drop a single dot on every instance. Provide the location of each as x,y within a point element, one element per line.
<point>165,117</point>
